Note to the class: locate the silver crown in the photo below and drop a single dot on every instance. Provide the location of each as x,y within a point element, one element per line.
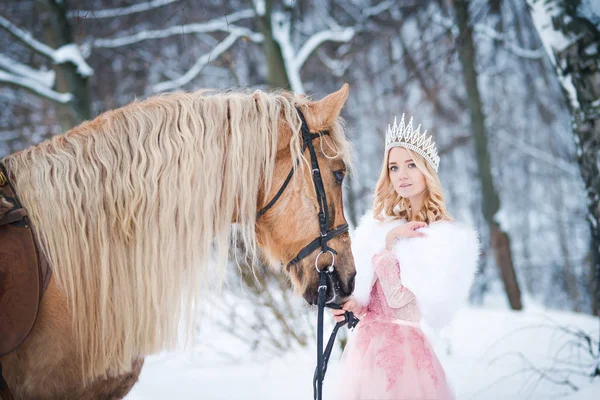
<point>401,135</point>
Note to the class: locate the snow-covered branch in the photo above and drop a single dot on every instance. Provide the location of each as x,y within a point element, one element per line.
<point>35,86</point>
<point>361,15</point>
<point>46,78</point>
<point>295,59</point>
<point>337,67</point>
<point>198,65</point>
<point>511,46</point>
<point>62,55</point>
<point>26,37</point>
<point>70,53</point>
<point>486,30</point>
<point>222,24</point>
<point>344,35</point>
<point>260,7</point>
<point>537,153</point>
<point>119,12</point>
<point>378,8</point>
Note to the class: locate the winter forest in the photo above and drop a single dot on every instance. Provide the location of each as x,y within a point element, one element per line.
<point>510,90</point>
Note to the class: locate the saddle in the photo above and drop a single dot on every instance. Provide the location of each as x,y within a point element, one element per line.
<point>24,271</point>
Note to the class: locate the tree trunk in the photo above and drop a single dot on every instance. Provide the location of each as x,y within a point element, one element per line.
<point>67,78</point>
<point>277,77</point>
<point>569,276</point>
<point>491,202</point>
<point>580,61</point>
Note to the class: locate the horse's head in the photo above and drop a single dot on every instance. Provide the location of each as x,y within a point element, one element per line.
<point>292,222</point>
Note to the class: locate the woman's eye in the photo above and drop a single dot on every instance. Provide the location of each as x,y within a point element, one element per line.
<point>393,168</point>
<point>411,165</point>
<point>339,176</point>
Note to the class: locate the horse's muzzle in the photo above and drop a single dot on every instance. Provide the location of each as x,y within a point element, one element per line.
<point>337,292</point>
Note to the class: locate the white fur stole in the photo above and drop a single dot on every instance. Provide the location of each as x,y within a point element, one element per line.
<point>438,268</point>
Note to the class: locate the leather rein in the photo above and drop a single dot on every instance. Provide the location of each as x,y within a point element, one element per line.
<point>320,242</point>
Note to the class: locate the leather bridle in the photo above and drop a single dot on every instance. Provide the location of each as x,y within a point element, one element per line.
<point>320,242</point>
<point>326,233</point>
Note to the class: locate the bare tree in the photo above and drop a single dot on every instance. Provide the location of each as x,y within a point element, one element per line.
<point>491,201</point>
<point>67,84</point>
<point>285,53</point>
<point>574,49</point>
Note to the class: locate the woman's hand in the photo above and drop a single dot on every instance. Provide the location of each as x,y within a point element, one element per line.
<point>350,305</point>
<point>407,230</point>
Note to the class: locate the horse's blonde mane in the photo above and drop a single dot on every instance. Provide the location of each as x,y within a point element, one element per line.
<point>133,207</point>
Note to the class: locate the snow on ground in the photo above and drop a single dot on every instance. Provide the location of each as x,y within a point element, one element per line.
<point>488,354</point>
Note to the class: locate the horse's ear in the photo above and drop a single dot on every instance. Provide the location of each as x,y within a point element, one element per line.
<point>325,111</point>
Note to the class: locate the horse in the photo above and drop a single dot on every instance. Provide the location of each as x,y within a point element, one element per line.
<point>135,212</point>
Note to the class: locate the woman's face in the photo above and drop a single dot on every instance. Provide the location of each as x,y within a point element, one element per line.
<point>408,180</point>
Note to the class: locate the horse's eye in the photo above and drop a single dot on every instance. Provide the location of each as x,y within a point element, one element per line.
<point>339,175</point>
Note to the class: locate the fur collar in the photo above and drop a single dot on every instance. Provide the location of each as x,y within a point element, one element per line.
<point>439,268</point>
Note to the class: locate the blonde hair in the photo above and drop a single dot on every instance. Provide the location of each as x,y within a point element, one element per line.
<point>130,208</point>
<point>388,203</point>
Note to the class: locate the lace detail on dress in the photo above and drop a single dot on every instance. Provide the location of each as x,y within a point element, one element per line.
<point>391,362</point>
<point>389,358</point>
<point>422,355</point>
<point>387,271</point>
<point>389,299</point>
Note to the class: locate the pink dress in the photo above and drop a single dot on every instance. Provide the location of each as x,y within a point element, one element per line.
<point>388,357</point>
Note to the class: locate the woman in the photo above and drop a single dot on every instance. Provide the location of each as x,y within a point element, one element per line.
<point>413,263</point>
